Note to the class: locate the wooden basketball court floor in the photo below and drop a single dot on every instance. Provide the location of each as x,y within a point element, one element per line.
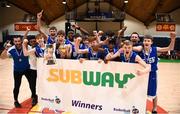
<point>168,87</point>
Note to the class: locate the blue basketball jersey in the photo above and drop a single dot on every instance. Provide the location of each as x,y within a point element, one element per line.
<point>130,60</point>
<point>39,51</point>
<point>151,58</point>
<point>21,62</point>
<point>138,44</point>
<point>67,41</point>
<point>74,55</point>
<point>83,46</point>
<point>50,40</point>
<point>95,55</point>
<point>108,51</point>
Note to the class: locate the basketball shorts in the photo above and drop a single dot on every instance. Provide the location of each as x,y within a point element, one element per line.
<point>152,84</point>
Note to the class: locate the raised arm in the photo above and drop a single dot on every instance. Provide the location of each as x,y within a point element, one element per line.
<point>39,25</point>
<point>26,33</point>
<point>27,52</point>
<point>137,48</point>
<point>83,31</point>
<point>4,53</point>
<point>171,45</point>
<point>121,32</point>
<point>111,56</point>
<point>79,51</point>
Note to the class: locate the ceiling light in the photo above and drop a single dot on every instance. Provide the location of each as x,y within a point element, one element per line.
<point>64,2</point>
<point>8,6</point>
<point>125,1</point>
<point>3,3</point>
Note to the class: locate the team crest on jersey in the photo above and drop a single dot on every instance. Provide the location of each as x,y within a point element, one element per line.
<point>151,60</point>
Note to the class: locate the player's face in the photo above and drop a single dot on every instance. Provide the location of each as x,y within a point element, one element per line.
<point>134,38</point>
<point>52,32</point>
<point>32,42</point>
<point>60,38</point>
<point>40,40</point>
<point>147,43</point>
<point>127,49</point>
<point>86,42</point>
<point>93,43</point>
<point>17,42</point>
<point>70,35</point>
<point>111,47</point>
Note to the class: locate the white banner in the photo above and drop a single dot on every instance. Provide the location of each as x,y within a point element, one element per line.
<point>91,87</point>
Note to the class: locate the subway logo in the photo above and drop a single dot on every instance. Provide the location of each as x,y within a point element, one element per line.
<point>89,78</point>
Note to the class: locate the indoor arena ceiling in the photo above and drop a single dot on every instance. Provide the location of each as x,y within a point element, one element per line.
<point>142,10</point>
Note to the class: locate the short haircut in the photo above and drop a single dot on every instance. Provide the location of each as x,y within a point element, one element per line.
<point>71,32</point>
<point>110,33</point>
<point>53,28</point>
<point>84,37</point>
<point>76,35</point>
<point>17,36</point>
<point>38,36</point>
<point>91,38</point>
<point>134,33</point>
<point>31,37</point>
<point>61,32</point>
<point>148,37</point>
<point>127,42</point>
<point>112,42</point>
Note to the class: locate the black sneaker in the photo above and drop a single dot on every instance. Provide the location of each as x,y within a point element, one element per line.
<point>154,112</point>
<point>34,100</point>
<point>17,105</point>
